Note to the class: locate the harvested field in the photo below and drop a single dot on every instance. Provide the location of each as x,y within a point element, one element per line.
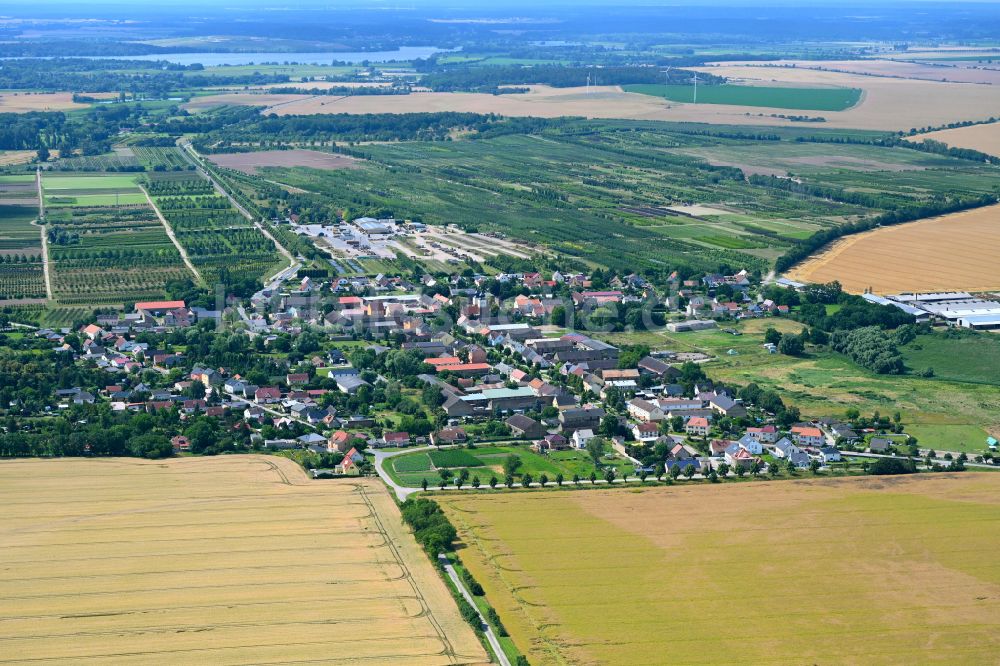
<point>13,157</point>
<point>229,560</point>
<point>984,138</point>
<point>886,104</point>
<point>203,103</point>
<point>954,72</point>
<point>853,571</point>
<point>952,252</point>
<point>310,159</point>
<point>23,102</point>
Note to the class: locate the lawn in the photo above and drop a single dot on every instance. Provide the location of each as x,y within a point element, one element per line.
<point>486,461</point>
<point>93,182</point>
<point>586,577</point>
<point>949,437</point>
<point>962,358</point>
<point>417,462</point>
<point>89,200</point>
<point>806,99</point>
<point>454,458</point>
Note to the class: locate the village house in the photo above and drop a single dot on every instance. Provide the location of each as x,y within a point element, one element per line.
<point>348,467</point>
<point>525,427</point>
<point>448,436</point>
<point>646,431</point>
<point>267,395</point>
<point>553,442</point>
<point>879,445</point>
<point>740,457</point>
<point>767,434</point>
<point>396,439</point>
<point>580,418</point>
<point>644,410</point>
<point>752,445</point>
<point>808,436</point>
<point>784,449</point>
<point>697,425</point>
<point>581,437</point>
<point>829,454</point>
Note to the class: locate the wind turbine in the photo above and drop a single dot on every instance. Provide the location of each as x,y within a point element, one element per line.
<point>695,98</point>
<point>588,83</point>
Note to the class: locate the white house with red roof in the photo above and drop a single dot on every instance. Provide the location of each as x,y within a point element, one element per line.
<point>646,431</point>
<point>808,436</point>
<point>767,434</point>
<point>697,425</point>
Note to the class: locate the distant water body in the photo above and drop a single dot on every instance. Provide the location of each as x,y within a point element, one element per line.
<point>218,59</point>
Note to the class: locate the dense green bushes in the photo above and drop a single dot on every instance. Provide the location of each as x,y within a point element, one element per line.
<point>869,347</point>
<point>430,526</point>
<point>892,466</point>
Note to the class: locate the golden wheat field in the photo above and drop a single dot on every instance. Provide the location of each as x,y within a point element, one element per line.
<point>984,138</point>
<point>865,570</point>
<point>228,560</point>
<point>951,252</point>
<point>23,102</point>
<point>14,157</point>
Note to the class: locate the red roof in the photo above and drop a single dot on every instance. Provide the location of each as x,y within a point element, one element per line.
<point>464,367</point>
<point>807,432</point>
<point>698,422</point>
<point>349,300</point>
<point>159,305</point>
<point>396,436</point>
<point>446,360</point>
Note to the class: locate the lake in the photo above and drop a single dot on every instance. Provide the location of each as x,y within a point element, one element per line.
<point>217,59</point>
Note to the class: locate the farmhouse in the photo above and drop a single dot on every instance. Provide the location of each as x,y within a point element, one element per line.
<point>646,431</point>
<point>580,418</point>
<point>879,445</point>
<point>643,410</point>
<point>158,308</point>
<point>525,427</point>
<point>448,436</point>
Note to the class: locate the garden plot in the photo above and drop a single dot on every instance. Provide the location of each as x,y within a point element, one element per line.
<point>91,190</point>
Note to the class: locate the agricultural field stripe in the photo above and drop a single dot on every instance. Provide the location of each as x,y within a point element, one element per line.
<point>44,234</point>
<point>173,238</point>
<point>199,162</point>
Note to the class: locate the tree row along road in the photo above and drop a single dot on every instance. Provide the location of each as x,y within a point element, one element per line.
<point>45,234</point>
<point>188,150</point>
<point>487,629</point>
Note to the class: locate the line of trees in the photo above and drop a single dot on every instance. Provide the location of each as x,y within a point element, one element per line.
<point>489,78</point>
